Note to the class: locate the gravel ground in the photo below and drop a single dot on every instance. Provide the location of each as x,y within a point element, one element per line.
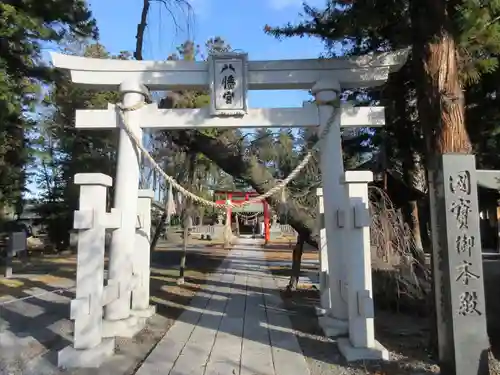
<point>405,337</point>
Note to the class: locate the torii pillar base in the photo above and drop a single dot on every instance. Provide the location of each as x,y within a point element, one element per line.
<point>333,327</point>
<point>123,328</point>
<point>145,313</point>
<point>70,357</point>
<point>352,353</point>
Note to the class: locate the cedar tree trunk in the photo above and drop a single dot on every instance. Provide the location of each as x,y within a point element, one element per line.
<point>439,93</point>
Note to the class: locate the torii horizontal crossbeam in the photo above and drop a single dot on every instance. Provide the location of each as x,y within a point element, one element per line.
<point>158,119</point>
<point>352,72</point>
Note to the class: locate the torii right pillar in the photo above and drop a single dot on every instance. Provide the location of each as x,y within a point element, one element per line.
<point>347,227</point>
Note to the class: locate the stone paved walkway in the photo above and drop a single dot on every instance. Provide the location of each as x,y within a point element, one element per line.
<point>234,326</point>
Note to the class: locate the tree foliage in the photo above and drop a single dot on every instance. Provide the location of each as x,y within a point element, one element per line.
<point>468,28</point>
<point>63,150</point>
<point>26,26</point>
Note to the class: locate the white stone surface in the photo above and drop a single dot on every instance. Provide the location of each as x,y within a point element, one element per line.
<point>256,352</point>
<point>361,340</point>
<point>351,353</point>
<point>195,354</point>
<point>334,198</point>
<point>125,200</point>
<point>287,353</point>
<point>226,352</point>
<point>91,220</point>
<point>128,327</point>
<point>159,119</point>
<point>70,357</point>
<point>324,287</point>
<point>93,179</point>
<point>354,72</point>
<point>333,327</point>
<point>141,255</point>
<point>86,308</point>
<point>144,313</point>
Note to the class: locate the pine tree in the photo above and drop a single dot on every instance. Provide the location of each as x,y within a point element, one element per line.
<point>25,26</point>
<point>452,44</point>
<point>64,151</point>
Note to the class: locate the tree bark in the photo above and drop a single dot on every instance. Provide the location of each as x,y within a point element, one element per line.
<point>161,225</point>
<point>188,214</point>
<point>440,98</point>
<point>298,250</point>
<point>415,225</point>
<point>411,212</point>
<point>182,265</point>
<point>141,28</point>
<point>439,90</point>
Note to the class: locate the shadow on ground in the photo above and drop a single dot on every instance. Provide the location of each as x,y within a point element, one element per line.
<point>38,318</point>
<point>33,330</point>
<point>407,335</point>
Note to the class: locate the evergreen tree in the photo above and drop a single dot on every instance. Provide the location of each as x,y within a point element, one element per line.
<point>452,43</point>
<point>64,151</point>
<point>25,26</point>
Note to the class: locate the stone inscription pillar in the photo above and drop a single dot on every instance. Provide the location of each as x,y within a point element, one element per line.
<point>458,268</point>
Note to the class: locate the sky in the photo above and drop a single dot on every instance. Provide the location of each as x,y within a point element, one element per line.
<point>239,23</point>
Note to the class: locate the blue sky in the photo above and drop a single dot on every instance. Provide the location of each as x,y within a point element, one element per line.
<point>240,23</point>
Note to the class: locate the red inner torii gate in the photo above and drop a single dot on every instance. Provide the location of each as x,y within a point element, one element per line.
<point>242,196</point>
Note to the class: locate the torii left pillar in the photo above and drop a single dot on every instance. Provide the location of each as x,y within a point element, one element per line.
<point>335,200</point>
<point>119,321</point>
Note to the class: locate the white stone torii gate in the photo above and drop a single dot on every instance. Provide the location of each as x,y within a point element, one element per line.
<point>325,77</point>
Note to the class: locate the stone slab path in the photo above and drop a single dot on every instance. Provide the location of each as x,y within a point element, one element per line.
<point>234,326</point>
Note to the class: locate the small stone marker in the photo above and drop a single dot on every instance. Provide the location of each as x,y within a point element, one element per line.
<point>16,243</point>
<point>458,269</point>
